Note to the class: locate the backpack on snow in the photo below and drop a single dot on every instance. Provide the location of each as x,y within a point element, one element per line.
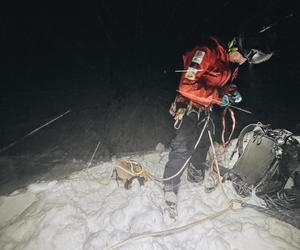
<point>270,157</point>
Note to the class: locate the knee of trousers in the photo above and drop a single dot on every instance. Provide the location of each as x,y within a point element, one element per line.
<point>179,155</point>
<point>180,150</point>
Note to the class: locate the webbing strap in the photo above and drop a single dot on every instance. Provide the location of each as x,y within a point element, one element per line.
<point>232,115</point>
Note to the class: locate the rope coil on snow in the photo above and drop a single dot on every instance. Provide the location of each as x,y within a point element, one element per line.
<point>132,171</point>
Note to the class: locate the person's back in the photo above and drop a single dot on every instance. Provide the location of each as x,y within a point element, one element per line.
<point>207,69</point>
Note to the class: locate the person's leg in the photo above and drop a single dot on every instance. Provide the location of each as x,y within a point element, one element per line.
<point>198,164</point>
<point>181,149</point>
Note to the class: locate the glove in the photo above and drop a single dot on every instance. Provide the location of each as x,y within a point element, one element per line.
<point>236,97</point>
<point>224,101</point>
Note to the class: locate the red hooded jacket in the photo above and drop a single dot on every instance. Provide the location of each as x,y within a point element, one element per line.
<point>207,70</point>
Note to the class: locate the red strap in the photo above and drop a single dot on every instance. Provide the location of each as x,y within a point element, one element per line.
<point>232,115</point>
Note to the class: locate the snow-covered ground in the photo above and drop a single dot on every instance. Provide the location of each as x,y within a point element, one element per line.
<point>90,211</point>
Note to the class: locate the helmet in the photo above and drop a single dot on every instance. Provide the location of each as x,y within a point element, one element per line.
<point>255,49</point>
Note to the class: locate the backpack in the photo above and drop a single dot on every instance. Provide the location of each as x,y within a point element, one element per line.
<point>264,165</point>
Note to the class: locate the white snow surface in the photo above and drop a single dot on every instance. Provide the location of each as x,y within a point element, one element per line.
<point>90,211</point>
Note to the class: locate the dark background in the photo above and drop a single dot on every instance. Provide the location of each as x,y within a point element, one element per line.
<point>112,64</point>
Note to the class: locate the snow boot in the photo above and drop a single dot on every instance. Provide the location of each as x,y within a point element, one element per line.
<point>210,181</point>
<point>195,175</point>
<point>171,202</point>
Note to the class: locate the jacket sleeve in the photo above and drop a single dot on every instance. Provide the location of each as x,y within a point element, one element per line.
<point>192,84</point>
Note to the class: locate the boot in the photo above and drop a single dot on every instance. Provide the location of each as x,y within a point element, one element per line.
<point>210,182</point>
<point>170,194</point>
<point>171,201</point>
<point>195,175</point>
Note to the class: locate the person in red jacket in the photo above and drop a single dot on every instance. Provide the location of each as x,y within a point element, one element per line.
<point>207,80</point>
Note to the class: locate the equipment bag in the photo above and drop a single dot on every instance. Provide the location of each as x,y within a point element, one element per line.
<point>268,160</point>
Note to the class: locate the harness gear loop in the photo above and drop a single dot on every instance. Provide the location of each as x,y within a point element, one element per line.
<point>179,117</point>
<point>178,114</point>
<point>232,115</point>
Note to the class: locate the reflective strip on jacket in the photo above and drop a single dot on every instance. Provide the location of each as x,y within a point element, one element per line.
<point>207,70</point>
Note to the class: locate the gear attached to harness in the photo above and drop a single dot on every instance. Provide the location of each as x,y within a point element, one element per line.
<point>178,113</point>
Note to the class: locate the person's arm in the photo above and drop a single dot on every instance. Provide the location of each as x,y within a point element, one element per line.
<point>191,85</point>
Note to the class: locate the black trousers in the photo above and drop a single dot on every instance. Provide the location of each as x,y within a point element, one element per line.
<point>182,147</point>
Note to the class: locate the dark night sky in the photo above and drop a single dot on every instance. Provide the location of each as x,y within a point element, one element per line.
<point>45,42</point>
<point>89,44</point>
